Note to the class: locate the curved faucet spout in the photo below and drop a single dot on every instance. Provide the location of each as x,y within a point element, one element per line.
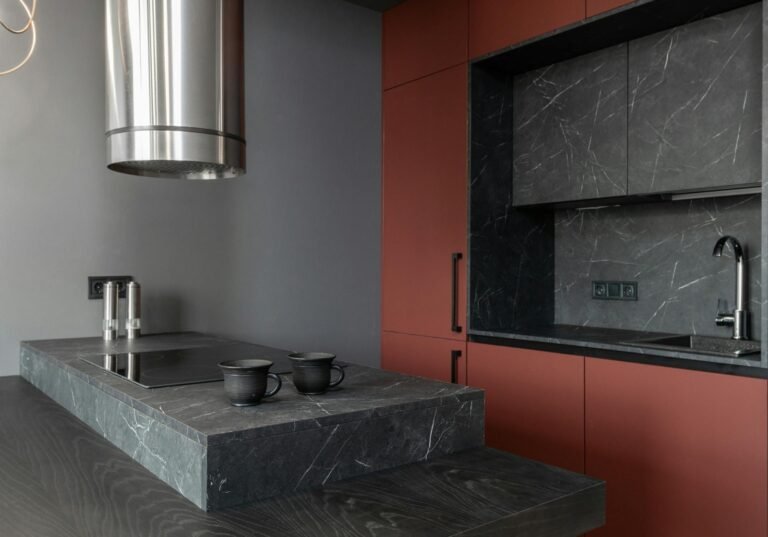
<point>739,318</point>
<point>738,252</point>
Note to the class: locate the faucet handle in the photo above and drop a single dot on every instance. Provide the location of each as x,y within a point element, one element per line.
<point>723,317</point>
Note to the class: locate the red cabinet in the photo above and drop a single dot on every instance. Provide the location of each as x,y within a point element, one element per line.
<point>496,24</point>
<point>534,402</point>
<point>422,37</point>
<point>439,359</point>
<point>594,7</point>
<point>424,206</point>
<point>683,452</point>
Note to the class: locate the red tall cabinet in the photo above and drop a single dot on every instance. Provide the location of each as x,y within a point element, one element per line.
<point>424,208</point>
<point>426,45</point>
<point>424,189</point>
<point>422,37</point>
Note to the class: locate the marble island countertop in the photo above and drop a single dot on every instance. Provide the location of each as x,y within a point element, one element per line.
<point>203,413</point>
<point>219,456</point>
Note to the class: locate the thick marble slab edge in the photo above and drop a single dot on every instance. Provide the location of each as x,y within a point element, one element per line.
<point>209,419</point>
<point>315,457</point>
<point>175,458</point>
<point>220,456</point>
<point>66,353</point>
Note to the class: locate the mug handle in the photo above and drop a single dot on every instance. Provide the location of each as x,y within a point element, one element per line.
<point>277,387</point>
<point>341,375</point>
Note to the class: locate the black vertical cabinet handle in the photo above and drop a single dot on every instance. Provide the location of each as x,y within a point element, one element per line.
<point>455,258</point>
<point>455,355</point>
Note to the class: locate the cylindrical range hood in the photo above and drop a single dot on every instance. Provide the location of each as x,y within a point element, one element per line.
<point>175,88</point>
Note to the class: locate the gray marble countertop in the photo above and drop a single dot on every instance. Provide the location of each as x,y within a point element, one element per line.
<point>203,413</point>
<point>609,339</point>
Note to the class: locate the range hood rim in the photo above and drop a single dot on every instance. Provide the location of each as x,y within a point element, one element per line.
<point>153,151</point>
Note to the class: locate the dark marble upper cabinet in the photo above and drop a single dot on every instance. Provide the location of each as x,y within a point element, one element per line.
<point>570,130</point>
<point>695,105</point>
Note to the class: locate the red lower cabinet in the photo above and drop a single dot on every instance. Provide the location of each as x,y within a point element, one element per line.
<point>684,453</point>
<point>534,402</point>
<point>439,359</point>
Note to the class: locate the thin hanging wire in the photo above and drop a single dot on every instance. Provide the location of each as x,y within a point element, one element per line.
<point>29,26</point>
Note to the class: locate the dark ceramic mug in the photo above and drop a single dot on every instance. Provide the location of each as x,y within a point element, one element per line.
<point>245,381</point>
<point>312,372</point>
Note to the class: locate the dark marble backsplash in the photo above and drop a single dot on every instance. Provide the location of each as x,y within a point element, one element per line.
<point>667,248</point>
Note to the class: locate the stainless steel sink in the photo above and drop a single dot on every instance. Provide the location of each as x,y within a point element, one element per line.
<point>716,346</point>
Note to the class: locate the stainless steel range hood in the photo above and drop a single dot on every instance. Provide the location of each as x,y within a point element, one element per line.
<point>175,88</point>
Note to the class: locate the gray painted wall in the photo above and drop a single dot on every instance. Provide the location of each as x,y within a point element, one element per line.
<point>286,256</point>
<point>305,222</point>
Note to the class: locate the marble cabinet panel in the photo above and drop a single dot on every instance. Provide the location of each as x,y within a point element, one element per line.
<point>695,106</point>
<point>570,129</point>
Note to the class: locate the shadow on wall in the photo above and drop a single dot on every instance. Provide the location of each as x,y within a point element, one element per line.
<point>163,312</point>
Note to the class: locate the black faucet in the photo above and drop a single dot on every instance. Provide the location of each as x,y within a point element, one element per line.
<point>739,318</point>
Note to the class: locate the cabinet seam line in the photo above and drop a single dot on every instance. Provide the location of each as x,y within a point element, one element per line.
<point>401,84</point>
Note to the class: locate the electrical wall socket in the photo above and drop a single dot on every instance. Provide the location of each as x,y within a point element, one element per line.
<point>603,290</point>
<point>96,285</point>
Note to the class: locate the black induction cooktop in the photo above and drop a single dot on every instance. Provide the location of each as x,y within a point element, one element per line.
<point>177,367</point>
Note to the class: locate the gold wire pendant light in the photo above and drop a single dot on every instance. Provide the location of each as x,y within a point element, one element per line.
<point>28,27</point>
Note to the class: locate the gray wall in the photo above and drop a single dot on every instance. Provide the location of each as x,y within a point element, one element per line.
<point>305,222</point>
<point>285,256</point>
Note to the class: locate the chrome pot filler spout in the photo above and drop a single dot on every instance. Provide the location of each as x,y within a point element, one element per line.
<point>111,322</point>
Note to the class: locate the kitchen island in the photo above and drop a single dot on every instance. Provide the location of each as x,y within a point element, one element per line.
<point>218,456</point>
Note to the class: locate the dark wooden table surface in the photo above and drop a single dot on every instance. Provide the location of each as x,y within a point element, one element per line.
<point>60,478</point>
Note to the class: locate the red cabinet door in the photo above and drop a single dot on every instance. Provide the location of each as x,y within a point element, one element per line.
<point>594,7</point>
<point>424,205</point>
<point>424,356</point>
<point>534,402</point>
<point>496,24</point>
<point>683,452</point>
<point>422,37</point>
